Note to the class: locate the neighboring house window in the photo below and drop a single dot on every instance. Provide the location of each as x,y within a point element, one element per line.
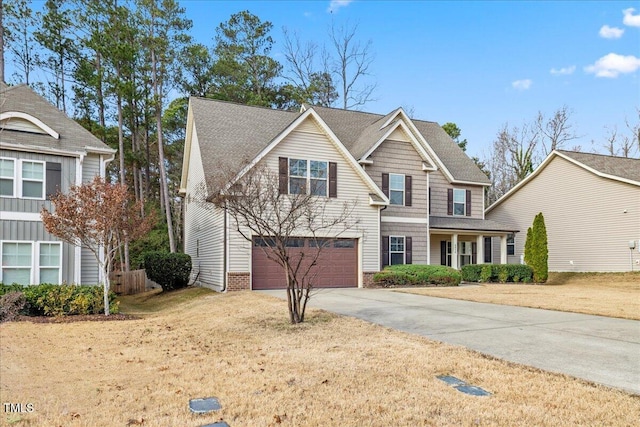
<point>32,179</point>
<point>511,244</point>
<point>20,265</point>
<point>397,188</point>
<point>7,177</point>
<point>16,262</point>
<point>458,202</point>
<point>49,262</point>
<point>396,250</point>
<point>301,176</point>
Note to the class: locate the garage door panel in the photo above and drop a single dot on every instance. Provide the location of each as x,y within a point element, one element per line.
<point>336,266</point>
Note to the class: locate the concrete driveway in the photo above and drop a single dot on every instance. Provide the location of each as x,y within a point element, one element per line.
<point>599,349</point>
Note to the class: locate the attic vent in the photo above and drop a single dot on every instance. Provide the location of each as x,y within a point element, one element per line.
<point>22,122</point>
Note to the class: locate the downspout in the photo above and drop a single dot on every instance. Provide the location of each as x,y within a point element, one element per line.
<point>224,253</point>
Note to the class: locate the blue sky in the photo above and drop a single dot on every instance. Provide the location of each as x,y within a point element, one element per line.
<point>479,64</point>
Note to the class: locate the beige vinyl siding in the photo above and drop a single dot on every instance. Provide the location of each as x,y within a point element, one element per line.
<point>419,236</point>
<point>351,188</point>
<point>204,226</point>
<point>400,157</point>
<point>587,227</point>
<point>22,125</point>
<point>439,186</point>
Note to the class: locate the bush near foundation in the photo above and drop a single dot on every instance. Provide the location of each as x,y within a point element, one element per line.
<point>498,273</point>
<point>417,275</point>
<point>169,270</point>
<point>57,300</point>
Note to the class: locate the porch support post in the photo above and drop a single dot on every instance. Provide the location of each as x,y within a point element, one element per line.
<point>503,249</point>
<point>480,249</point>
<point>454,251</point>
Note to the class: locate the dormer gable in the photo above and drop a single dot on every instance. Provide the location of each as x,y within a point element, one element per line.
<point>23,122</point>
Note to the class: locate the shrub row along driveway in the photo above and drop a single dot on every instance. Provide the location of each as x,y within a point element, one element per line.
<point>595,348</point>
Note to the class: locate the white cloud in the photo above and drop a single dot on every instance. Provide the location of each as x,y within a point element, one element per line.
<point>607,32</point>
<point>337,4</point>
<point>630,19</point>
<point>522,84</point>
<point>612,65</point>
<point>564,71</point>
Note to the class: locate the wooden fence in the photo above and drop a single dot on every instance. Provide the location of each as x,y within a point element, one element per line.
<point>128,282</point>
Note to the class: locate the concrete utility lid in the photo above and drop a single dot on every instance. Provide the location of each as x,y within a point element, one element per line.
<point>205,405</point>
<point>462,386</point>
<point>217,424</point>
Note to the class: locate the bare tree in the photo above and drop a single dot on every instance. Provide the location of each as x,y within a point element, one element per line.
<point>351,65</point>
<point>1,43</point>
<point>259,209</point>
<point>98,216</point>
<point>556,131</point>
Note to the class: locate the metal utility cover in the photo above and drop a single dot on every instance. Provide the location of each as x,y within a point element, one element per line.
<point>205,405</point>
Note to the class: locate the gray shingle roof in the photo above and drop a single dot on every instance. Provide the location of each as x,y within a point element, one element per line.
<point>623,167</point>
<point>73,137</point>
<point>474,224</point>
<point>236,133</point>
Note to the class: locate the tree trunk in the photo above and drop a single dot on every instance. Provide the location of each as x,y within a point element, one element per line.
<point>1,44</point>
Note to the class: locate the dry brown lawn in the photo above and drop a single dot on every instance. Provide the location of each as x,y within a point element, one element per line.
<point>604,294</point>
<point>330,371</point>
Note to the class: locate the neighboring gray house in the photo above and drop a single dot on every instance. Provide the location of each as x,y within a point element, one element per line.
<point>42,151</point>
<point>419,198</point>
<point>591,207</point>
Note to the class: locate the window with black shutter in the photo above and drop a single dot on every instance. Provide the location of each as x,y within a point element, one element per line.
<point>53,178</point>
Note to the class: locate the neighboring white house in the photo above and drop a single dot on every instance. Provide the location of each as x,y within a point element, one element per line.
<point>42,151</point>
<point>591,207</point>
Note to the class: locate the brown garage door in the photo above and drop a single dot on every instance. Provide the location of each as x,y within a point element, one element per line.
<point>336,267</point>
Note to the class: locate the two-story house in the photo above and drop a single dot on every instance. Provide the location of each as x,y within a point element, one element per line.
<point>42,151</point>
<point>419,198</point>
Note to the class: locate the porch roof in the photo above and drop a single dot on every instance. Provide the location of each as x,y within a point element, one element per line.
<point>468,224</point>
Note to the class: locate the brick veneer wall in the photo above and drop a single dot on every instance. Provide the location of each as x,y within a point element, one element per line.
<point>367,279</point>
<point>238,281</point>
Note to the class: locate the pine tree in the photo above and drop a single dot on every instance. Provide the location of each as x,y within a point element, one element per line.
<point>527,247</point>
<point>536,252</point>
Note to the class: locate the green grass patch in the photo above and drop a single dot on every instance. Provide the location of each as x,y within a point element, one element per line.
<point>157,300</point>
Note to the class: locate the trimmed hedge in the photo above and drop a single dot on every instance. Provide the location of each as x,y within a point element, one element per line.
<point>501,273</point>
<point>59,300</point>
<point>417,275</point>
<point>169,270</point>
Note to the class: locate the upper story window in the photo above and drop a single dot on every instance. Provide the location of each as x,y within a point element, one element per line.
<point>32,178</point>
<point>7,177</point>
<point>302,176</point>
<point>29,179</point>
<point>398,188</point>
<point>459,202</point>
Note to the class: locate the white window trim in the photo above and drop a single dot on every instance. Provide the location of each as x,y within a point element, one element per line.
<point>13,178</point>
<point>2,242</point>
<point>395,189</point>
<point>461,245</point>
<point>464,203</point>
<point>403,252</point>
<point>44,179</point>
<point>34,268</point>
<point>308,176</point>
<point>36,258</point>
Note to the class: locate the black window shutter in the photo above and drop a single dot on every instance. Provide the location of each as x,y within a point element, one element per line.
<point>468,202</point>
<point>333,179</point>
<point>450,201</point>
<point>487,249</point>
<point>385,250</point>
<point>429,200</point>
<point>385,184</point>
<point>407,190</point>
<point>283,175</point>
<point>408,253</point>
<point>54,178</point>
<point>443,252</point>
<point>474,253</point>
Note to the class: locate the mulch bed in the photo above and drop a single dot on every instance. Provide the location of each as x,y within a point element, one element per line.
<point>76,318</point>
